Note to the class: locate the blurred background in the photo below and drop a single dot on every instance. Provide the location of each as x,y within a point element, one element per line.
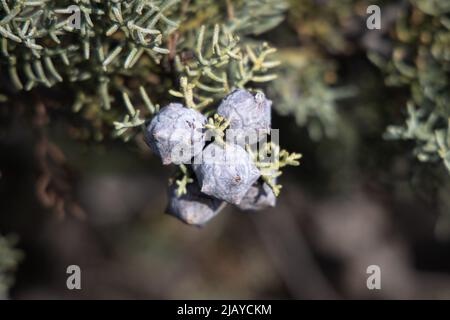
<point>358,198</point>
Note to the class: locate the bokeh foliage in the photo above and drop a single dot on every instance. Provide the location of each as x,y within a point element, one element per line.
<point>420,60</point>
<point>9,259</point>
